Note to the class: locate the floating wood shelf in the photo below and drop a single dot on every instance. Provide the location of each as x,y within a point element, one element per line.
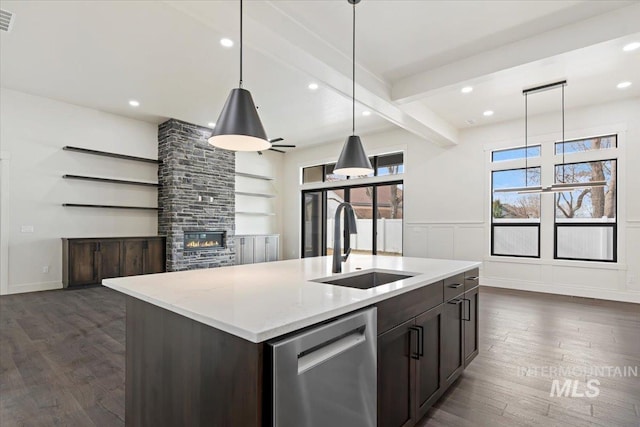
<point>265,195</point>
<point>110,180</point>
<point>78,205</point>
<point>250,175</point>
<point>256,213</point>
<point>107,154</point>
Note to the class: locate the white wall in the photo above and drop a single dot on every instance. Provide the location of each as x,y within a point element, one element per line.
<point>447,205</point>
<point>32,190</point>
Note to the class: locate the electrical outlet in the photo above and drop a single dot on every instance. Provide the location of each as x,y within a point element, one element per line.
<point>45,269</point>
<point>26,229</point>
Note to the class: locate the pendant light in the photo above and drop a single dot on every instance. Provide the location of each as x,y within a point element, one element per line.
<point>239,127</point>
<point>559,186</point>
<point>353,161</point>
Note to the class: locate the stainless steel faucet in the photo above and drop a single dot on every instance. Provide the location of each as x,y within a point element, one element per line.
<point>350,227</point>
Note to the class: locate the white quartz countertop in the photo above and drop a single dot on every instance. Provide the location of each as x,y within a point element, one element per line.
<point>258,302</point>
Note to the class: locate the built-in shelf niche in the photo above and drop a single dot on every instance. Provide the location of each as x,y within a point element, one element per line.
<point>83,205</point>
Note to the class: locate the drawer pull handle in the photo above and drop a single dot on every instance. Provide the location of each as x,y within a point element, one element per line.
<point>455,285</point>
<point>473,278</point>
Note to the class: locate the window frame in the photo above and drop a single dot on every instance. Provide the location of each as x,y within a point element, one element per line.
<point>374,165</point>
<point>347,188</point>
<point>613,224</point>
<point>515,222</point>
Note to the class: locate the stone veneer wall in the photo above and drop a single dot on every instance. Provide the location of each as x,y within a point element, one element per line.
<point>191,167</point>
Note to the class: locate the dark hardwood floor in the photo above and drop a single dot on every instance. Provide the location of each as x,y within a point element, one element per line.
<point>62,361</point>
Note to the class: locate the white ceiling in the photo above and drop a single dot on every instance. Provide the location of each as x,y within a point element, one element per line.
<point>413,58</point>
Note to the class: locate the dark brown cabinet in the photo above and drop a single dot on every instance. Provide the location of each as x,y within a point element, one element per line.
<point>436,337</point>
<point>396,377</point>
<point>472,301</point>
<point>86,261</point>
<point>452,340</point>
<point>428,364</point>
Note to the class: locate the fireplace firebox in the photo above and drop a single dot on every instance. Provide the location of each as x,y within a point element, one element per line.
<point>204,240</point>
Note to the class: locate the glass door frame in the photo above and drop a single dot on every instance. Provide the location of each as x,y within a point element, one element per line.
<point>347,197</point>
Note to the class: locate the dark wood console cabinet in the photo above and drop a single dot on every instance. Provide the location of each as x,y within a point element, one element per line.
<point>86,261</point>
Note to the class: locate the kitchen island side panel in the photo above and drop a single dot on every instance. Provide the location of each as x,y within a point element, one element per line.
<point>182,372</point>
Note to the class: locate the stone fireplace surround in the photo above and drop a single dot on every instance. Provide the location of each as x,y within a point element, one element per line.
<point>196,192</point>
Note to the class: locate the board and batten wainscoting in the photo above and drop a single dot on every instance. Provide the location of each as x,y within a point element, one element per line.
<point>470,240</point>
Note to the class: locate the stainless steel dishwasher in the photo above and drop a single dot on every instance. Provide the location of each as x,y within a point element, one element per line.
<point>327,375</point>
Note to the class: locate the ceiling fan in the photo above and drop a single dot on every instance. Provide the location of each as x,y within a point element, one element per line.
<point>274,147</point>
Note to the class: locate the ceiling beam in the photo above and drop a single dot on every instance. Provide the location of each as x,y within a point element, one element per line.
<point>272,32</point>
<point>618,23</point>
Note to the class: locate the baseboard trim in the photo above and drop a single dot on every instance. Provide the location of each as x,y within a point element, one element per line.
<point>605,294</point>
<point>33,287</point>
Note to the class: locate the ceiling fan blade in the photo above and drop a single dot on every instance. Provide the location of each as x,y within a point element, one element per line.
<point>276,140</point>
<point>284,146</point>
<point>279,151</point>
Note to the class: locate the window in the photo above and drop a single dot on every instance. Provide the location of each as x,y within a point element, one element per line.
<point>515,153</point>
<point>387,164</point>
<point>588,144</point>
<point>583,199</point>
<point>585,217</point>
<point>378,209</point>
<point>515,217</point>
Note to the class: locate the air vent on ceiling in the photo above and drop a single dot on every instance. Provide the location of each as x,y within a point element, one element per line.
<point>6,20</point>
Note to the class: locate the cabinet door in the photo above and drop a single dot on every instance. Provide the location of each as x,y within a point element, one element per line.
<point>244,250</point>
<point>471,345</point>
<point>260,249</point>
<point>154,259</point>
<point>83,263</point>
<point>396,377</point>
<point>452,340</point>
<point>109,259</point>
<point>133,257</point>
<point>272,248</point>
<point>428,369</point>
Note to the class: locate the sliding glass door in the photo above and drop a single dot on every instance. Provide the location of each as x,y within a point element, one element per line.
<point>312,223</point>
<point>379,216</point>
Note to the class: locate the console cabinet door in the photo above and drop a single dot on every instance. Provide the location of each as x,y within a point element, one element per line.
<point>452,340</point>
<point>260,249</point>
<point>154,261</point>
<point>428,369</point>
<point>83,263</point>
<point>244,250</point>
<point>472,305</point>
<point>272,248</point>
<point>396,376</point>
<point>109,259</point>
<point>133,257</point>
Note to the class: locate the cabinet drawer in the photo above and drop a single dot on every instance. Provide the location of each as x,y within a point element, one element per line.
<point>453,286</point>
<point>394,311</point>
<point>471,279</point>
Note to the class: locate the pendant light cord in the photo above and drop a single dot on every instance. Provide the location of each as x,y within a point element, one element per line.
<point>526,141</point>
<point>353,81</point>
<point>240,43</point>
<point>563,144</point>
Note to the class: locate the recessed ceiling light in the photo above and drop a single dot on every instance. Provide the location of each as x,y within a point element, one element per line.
<point>488,113</point>
<point>134,103</point>
<point>631,46</point>
<point>225,42</point>
<point>366,113</point>
<point>313,86</point>
<point>212,125</point>
<point>466,89</point>
<point>623,85</point>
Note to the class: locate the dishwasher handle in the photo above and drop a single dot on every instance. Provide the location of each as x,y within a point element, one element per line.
<point>330,349</point>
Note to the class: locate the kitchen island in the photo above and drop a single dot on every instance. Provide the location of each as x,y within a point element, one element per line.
<point>196,339</point>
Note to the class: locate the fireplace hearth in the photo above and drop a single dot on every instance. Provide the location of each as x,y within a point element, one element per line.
<point>204,240</point>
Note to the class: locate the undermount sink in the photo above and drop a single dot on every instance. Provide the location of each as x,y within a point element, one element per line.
<point>367,279</point>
